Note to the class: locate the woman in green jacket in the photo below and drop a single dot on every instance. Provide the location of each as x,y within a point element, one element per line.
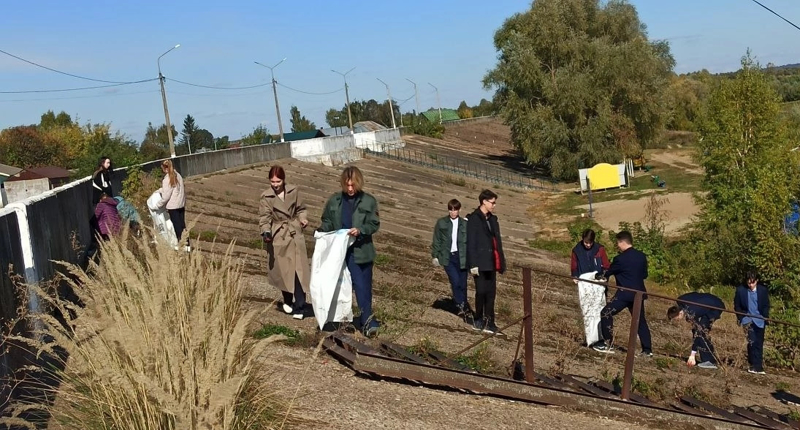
<point>356,211</point>
<point>449,250</point>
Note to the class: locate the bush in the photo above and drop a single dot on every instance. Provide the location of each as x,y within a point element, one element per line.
<point>160,343</point>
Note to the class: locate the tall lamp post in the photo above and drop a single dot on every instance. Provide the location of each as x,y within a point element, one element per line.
<point>347,96</point>
<point>438,102</point>
<point>416,96</point>
<point>275,93</point>
<point>164,100</point>
<point>389,100</point>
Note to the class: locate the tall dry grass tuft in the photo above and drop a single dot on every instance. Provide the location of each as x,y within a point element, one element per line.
<point>162,343</point>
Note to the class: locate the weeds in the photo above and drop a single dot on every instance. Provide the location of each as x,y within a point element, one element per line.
<point>454,180</point>
<point>207,235</point>
<point>783,387</point>
<point>480,359</point>
<point>161,342</point>
<point>382,259</point>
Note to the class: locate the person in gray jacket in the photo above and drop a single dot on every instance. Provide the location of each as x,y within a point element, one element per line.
<point>449,250</point>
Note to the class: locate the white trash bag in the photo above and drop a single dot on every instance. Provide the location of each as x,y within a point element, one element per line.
<point>161,220</point>
<point>331,287</point>
<point>593,299</point>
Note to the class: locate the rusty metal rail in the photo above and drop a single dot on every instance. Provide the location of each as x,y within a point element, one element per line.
<point>396,362</point>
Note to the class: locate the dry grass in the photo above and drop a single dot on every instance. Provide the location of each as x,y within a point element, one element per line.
<point>162,343</point>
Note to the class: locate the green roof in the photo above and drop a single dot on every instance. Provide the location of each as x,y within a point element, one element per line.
<point>432,115</point>
<point>302,135</point>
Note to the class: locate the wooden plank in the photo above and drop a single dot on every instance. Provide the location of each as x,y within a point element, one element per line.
<point>784,419</point>
<point>713,409</point>
<point>586,387</point>
<point>635,397</point>
<point>402,352</point>
<point>761,419</point>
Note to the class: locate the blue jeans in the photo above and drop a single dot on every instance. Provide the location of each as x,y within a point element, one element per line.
<point>361,275</point>
<point>458,279</point>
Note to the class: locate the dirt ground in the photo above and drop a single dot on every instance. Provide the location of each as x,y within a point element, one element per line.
<point>679,210</point>
<point>408,293</point>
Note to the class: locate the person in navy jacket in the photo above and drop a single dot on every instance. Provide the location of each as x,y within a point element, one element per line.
<point>702,318</point>
<point>753,299</point>
<point>629,270</point>
<point>588,256</point>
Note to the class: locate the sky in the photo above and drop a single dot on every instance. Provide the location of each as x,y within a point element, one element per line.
<point>446,43</point>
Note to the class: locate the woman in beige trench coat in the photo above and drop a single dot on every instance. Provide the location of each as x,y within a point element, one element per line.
<point>283,217</point>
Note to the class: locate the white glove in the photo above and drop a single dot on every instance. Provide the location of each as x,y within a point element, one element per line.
<point>436,262</point>
<point>691,361</point>
<point>474,271</point>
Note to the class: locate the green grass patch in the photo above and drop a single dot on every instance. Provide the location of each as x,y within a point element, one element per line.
<point>207,236</point>
<point>556,246</point>
<point>383,259</point>
<point>293,337</point>
<point>480,359</point>
<point>455,180</point>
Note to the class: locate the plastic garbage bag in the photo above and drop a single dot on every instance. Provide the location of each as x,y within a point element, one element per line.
<point>331,287</point>
<point>161,220</point>
<point>592,299</point>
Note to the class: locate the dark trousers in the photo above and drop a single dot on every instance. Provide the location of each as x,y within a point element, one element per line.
<point>485,292</point>
<point>361,275</point>
<point>178,218</point>
<point>701,330</point>
<point>297,300</point>
<point>755,347</point>
<point>607,322</point>
<point>458,279</point>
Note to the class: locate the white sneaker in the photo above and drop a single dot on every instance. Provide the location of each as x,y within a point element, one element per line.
<point>187,248</point>
<point>287,309</point>
<point>707,365</point>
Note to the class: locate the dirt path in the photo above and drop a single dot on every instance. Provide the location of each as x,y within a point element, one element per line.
<point>681,159</point>
<point>679,211</point>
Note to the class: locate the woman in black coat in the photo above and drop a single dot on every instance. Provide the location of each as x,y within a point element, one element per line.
<point>101,180</point>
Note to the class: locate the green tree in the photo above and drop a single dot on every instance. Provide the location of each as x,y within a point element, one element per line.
<point>579,83</point>
<point>156,142</point>
<point>749,179</point>
<point>464,111</point>
<point>202,139</point>
<point>101,143</point>
<point>222,142</point>
<point>187,135</point>
<point>299,122</point>
<point>26,146</point>
<point>50,120</point>
<point>335,118</point>
<point>259,136</point>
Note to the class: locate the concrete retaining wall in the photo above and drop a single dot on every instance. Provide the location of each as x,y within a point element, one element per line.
<point>21,190</point>
<point>379,141</point>
<point>330,151</point>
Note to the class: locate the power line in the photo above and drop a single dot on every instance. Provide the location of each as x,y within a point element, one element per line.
<point>776,14</point>
<point>78,89</point>
<point>309,93</point>
<point>219,88</point>
<point>61,72</point>
<point>79,97</point>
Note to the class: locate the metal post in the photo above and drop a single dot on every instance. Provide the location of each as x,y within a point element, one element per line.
<point>164,100</point>
<point>635,315</point>
<point>275,93</point>
<point>389,100</point>
<point>438,102</point>
<point>527,297</point>
<point>589,186</point>
<point>347,97</point>
<point>416,96</point>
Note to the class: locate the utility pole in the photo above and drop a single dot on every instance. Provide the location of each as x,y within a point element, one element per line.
<point>164,100</point>
<point>389,100</point>
<point>416,95</point>
<point>347,96</point>
<point>438,102</point>
<point>275,94</point>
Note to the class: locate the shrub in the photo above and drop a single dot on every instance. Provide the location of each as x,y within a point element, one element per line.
<point>161,342</point>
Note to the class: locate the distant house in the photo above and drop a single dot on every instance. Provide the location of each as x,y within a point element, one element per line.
<point>34,181</point>
<point>432,115</point>
<point>302,135</point>
<point>6,172</point>
<point>335,131</point>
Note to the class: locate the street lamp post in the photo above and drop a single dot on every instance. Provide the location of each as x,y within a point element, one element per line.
<point>347,96</point>
<point>389,100</point>
<point>438,102</point>
<point>275,93</point>
<point>416,95</point>
<point>164,100</point>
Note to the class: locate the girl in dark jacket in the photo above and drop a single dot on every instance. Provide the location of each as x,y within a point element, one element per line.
<point>486,259</point>
<point>101,180</point>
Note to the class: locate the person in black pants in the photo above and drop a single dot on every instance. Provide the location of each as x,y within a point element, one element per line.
<point>485,259</point>
<point>702,318</point>
<point>753,299</point>
<point>629,269</point>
